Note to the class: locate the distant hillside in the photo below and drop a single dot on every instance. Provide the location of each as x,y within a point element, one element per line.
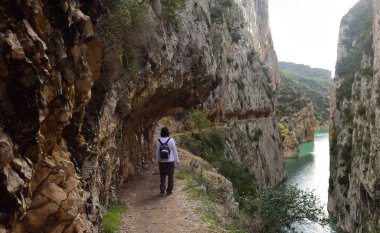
<point>305,70</point>
<point>301,84</point>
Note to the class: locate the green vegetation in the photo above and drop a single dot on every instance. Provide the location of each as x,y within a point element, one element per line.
<point>367,71</point>
<point>304,70</point>
<point>206,192</point>
<point>112,219</point>
<point>282,206</point>
<point>127,14</point>
<point>252,56</point>
<point>193,118</point>
<point>362,110</point>
<point>209,144</point>
<point>298,89</point>
<point>235,36</point>
<point>284,132</point>
<point>219,11</point>
<point>170,9</point>
<point>344,180</point>
<point>122,15</point>
<point>348,116</point>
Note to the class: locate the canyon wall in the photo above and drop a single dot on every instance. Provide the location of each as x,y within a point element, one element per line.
<point>297,127</point>
<point>244,100</point>
<point>82,86</point>
<point>354,189</point>
<point>49,62</point>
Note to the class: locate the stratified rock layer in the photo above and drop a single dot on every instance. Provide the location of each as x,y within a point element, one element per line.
<point>49,60</point>
<point>354,191</point>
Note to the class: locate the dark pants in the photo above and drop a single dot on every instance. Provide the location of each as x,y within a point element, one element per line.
<point>166,169</point>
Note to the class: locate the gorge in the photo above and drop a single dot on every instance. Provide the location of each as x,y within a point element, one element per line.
<point>83,85</point>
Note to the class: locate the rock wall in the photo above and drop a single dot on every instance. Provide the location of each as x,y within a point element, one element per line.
<point>354,191</point>
<point>298,128</point>
<point>248,73</point>
<point>154,62</point>
<point>49,61</point>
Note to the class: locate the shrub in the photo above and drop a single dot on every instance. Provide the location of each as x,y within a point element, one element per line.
<point>170,9</point>
<point>122,14</point>
<point>230,60</point>
<point>344,180</point>
<point>219,11</point>
<point>362,110</point>
<point>209,144</point>
<point>217,14</point>
<point>283,206</point>
<point>283,130</point>
<point>367,71</point>
<point>251,56</point>
<point>195,117</point>
<point>348,116</point>
<point>235,36</point>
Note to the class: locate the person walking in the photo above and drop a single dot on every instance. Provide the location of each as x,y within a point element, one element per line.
<point>166,156</point>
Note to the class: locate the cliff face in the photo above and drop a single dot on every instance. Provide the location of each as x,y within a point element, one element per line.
<point>248,73</point>
<point>354,191</point>
<point>49,61</point>
<point>78,112</point>
<point>297,128</point>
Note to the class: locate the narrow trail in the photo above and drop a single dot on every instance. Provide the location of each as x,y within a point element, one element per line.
<point>149,212</point>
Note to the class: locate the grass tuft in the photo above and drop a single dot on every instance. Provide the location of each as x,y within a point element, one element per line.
<point>112,219</point>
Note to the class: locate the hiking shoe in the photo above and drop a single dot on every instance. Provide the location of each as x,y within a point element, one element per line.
<point>169,193</point>
<point>162,192</point>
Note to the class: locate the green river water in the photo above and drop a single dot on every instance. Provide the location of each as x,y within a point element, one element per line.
<point>311,172</point>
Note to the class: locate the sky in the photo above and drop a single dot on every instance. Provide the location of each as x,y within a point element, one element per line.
<point>306,31</point>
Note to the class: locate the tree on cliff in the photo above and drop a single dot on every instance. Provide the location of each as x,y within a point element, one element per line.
<point>280,207</point>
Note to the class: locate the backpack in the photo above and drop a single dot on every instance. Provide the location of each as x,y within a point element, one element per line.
<point>164,149</point>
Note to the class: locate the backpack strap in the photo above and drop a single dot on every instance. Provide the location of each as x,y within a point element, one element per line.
<point>167,141</point>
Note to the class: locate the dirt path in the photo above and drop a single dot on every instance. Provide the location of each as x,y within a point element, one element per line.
<point>149,212</point>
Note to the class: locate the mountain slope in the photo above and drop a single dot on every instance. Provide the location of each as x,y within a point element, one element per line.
<point>312,83</point>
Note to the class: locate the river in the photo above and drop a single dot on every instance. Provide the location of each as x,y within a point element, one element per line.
<point>311,172</point>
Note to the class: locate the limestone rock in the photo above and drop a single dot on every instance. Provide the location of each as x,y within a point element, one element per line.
<point>355,167</point>
<point>6,149</point>
<point>298,128</point>
<point>44,81</point>
<point>244,99</point>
